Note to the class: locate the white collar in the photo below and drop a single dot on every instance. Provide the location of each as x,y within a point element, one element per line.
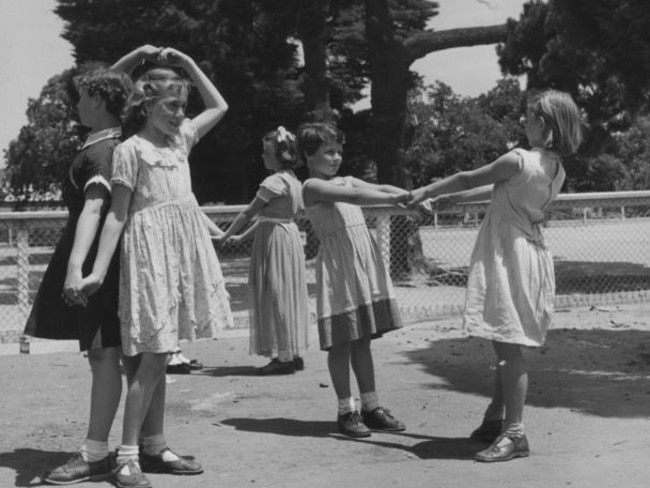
<point>110,133</point>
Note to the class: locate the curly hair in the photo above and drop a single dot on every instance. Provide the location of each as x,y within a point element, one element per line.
<point>561,129</point>
<point>152,85</point>
<point>284,147</point>
<point>112,86</point>
<point>312,135</point>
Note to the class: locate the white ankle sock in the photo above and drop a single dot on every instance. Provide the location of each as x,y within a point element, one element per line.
<point>514,430</point>
<point>369,401</point>
<point>346,405</point>
<point>126,453</point>
<point>93,451</point>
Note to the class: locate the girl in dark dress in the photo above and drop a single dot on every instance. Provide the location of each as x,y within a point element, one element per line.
<point>59,310</point>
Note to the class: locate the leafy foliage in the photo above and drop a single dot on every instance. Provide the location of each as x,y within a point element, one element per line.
<point>597,50</point>
<point>50,137</point>
<point>455,133</point>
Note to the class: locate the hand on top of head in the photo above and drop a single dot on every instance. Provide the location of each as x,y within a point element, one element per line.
<point>172,57</point>
<point>150,53</point>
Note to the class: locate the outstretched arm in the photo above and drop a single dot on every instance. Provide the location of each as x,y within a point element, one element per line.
<point>215,105</point>
<point>390,189</point>
<point>244,217</point>
<point>214,229</point>
<point>322,191</point>
<point>244,236</point>
<point>503,168</point>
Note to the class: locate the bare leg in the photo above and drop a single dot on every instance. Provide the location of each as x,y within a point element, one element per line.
<point>514,380</point>
<point>105,392</point>
<point>495,409</point>
<point>338,362</point>
<point>153,423</point>
<point>142,386</point>
<point>362,365</point>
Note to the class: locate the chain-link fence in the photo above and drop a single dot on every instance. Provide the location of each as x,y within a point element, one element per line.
<point>600,243</point>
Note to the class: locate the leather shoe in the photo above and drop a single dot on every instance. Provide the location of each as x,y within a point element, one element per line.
<point>351,424</point>
<point>277,367</point>
<point>381,419</point>
<point>504,451</point>
<point>76,470</point>
<point>133,478</point>
<point>298,363</point>
<point>181,466</point>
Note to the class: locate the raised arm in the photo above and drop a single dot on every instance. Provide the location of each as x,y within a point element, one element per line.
<point>132,60</point>
<point>503,168</point>
<point>322,191</point>
<point>215,105</point>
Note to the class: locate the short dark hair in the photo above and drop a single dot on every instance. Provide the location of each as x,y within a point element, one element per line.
<point>312,135</point>
<point>111,85</point>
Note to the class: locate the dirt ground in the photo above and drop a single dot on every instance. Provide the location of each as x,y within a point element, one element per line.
<point>588,413</point>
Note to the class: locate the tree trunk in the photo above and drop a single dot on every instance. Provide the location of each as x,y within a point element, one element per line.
<point>390,60</point>
<point>312,29</point>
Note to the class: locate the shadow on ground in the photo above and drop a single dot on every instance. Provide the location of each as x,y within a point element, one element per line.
<point>282,426</point>
<point>598,372</point>
<point>428,448</point>
<point>29,464</point>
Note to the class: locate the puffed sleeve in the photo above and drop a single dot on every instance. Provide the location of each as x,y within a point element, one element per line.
<point>96,167</point>
<point>521,175</point>
<point>272,187</point>
<point>125,165</point>
<point>189,134</point>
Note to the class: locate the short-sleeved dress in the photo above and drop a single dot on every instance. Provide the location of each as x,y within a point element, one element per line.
<point>96,325</point>
<point>511,284</point>
<point>171,285</point>
<point>277,283</point>
<point>355,296</point>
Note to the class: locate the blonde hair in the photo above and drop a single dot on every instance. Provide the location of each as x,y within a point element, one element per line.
<point>154,84</point>
<point>561,120</point>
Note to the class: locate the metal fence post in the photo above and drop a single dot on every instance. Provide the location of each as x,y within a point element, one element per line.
<point>383,236</point>
<point>22,279</point>
<point>22,271</point>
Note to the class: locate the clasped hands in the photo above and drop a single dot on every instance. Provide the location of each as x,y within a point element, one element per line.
<point>163,55</point>
<point>417,200</point>
<point>76,289</point>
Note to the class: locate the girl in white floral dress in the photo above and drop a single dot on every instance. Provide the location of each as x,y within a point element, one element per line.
<point>171,286</point>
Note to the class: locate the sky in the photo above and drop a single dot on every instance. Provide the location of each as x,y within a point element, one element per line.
<point>32,51</point>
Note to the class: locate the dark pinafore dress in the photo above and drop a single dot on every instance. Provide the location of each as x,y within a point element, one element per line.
<point>96,325</point>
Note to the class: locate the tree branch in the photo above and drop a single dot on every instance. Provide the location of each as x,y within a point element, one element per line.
<point>421,44</point>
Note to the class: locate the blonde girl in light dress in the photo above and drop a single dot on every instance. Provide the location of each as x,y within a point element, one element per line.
<point>171,286</point>
<point>511,283</point>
